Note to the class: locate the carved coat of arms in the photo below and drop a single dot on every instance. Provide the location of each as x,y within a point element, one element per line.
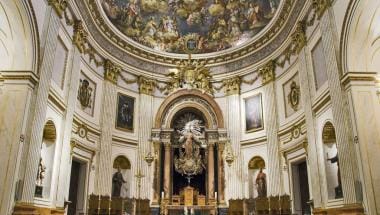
<point>85,93</point>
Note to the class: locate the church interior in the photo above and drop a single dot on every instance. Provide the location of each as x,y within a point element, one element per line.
<point>189,107</point>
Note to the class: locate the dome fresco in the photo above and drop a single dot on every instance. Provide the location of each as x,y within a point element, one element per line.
<point>167,25</point>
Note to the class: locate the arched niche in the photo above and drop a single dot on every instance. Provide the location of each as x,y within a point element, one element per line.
<point>334,189</point>
<point>46,164</point>
<point>125,169</point>
<point>256,164</point>
<point>360,39</point>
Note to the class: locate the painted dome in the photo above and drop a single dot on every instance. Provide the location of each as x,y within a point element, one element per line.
<point>210,25</point>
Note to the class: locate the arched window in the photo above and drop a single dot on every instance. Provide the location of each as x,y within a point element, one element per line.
<point>121,162</point>
<point>334,186</point>
<point>256,164</point>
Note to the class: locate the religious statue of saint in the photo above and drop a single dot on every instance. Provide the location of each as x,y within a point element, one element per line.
<point>261,184</point>
<point>338,189</point>
<point>40,173</point>
<point>117,183</point>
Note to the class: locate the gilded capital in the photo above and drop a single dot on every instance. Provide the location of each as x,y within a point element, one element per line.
<point>80,36</point>
<point>320,7</point>
<point>59,6</point>
<point>146,85</point>
<point>232,85</point>
<point>299,38</point>
<point>267,72</point>
<point>111,71</point>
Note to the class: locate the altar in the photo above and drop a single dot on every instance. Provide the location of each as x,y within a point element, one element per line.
<point>195,209</point>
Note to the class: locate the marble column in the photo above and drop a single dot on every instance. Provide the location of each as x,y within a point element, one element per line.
<point>103,182</point>
<point>312,153</point>
<point>210,171</point>
<point>146,87</point>
<point>167,167</point>
<point>41,103</point>
<point>65,164</point>
<point>342,122</point>
<point>220,166</point>
<point>271,127</point>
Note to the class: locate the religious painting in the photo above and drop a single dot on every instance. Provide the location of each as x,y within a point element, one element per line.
<point>215,24</point>
<point>253,113</point>
<point>125,112</point>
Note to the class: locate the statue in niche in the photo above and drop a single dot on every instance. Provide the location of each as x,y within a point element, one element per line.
<point>338,189</point>
<point>40,173</point>
<point>261,184</point>
<point>189,162</point>
<point>117,183</point>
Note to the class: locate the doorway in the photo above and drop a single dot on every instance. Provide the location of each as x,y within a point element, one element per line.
<point>77,188</point>
<point>301,195</point>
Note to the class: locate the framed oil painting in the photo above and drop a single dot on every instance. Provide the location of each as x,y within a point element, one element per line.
<point>253,113</point>
<point>125,112</point>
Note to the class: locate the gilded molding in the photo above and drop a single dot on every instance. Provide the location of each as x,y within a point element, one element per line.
<point>299,38</point>
<point>59,6</point>
<point>232,85</point>
<point>320,7</point>
<point>267,72</point>
<point>146,85</point>
<point>80,36</point>
<point>111,71</point>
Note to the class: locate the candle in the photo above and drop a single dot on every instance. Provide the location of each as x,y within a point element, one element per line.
<point>216,195</point>
<point>162,194</point>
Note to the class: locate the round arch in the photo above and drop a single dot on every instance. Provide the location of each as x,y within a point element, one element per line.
<point>189,99</point>
<point>360,37</point>
<point>19,40</point>
<point>50,131</point>
<point>122,162</point>
<point>256,162</point>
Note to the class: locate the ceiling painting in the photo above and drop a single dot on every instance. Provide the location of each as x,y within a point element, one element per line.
<point>167,25</point>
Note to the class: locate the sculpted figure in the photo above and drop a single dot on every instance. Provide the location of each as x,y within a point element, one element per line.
<point>261,184</point>
<point>41,173</point>
<point>117,183</point>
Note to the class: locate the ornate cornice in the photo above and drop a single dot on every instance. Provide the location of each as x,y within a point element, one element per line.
<point>146,85</point>
<point>80,36</point>
<point>267,72</point>
<point>111,71</point>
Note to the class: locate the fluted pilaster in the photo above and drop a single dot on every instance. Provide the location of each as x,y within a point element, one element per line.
<point>271,124</point>
<point>145,145</point>
<point>234,173</point>
<point>343,130</point>
<point>64,177</point>
<point>312,154</point>
<point>41,104</point>
<point>104,176</point>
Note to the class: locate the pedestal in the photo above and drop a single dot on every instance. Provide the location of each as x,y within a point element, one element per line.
<point>189,196</point>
